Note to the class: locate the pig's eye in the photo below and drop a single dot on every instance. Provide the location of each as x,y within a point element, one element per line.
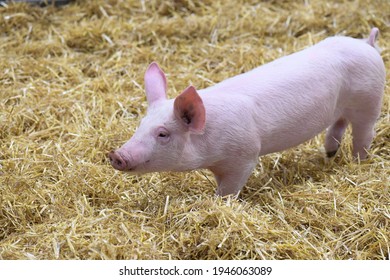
<point>162,134</point>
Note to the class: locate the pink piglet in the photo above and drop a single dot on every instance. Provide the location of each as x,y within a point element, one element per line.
<point>226,127</point>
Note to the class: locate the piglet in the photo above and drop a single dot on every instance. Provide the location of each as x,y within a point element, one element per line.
<point>227,126</point>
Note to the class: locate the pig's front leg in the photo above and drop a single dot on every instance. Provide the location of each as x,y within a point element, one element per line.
<point>231,176</point>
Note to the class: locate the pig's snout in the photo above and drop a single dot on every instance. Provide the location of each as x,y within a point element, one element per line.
<point>117,161</point>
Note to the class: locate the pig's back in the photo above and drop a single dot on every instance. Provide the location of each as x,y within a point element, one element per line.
<point>328,57</point>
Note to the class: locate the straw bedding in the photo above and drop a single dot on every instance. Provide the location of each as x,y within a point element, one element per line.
<point>71,83</point>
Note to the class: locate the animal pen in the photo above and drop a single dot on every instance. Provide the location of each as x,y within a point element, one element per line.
<point>71,90</point>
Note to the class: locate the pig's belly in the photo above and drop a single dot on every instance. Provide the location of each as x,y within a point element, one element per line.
<point>279,140</point>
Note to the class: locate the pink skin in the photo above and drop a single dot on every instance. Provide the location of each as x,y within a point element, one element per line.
<point>226,127</point>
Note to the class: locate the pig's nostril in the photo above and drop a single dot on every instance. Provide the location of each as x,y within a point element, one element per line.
<point>111,159</point>
<point>117,161</point>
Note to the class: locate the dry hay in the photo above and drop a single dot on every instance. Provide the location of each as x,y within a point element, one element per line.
<point>72,89</point>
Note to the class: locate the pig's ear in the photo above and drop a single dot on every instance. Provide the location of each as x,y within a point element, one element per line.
<point>189,109</point>
<point>155,84</point>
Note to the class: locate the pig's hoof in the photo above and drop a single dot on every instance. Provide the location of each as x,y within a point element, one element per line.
<point>331,154</point>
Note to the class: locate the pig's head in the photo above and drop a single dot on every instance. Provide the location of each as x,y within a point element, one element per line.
<point>165,132</point>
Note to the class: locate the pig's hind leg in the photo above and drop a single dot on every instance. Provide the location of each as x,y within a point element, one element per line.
<point>334,136</point>
<point>362,133</point>
<point>363,126</point>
